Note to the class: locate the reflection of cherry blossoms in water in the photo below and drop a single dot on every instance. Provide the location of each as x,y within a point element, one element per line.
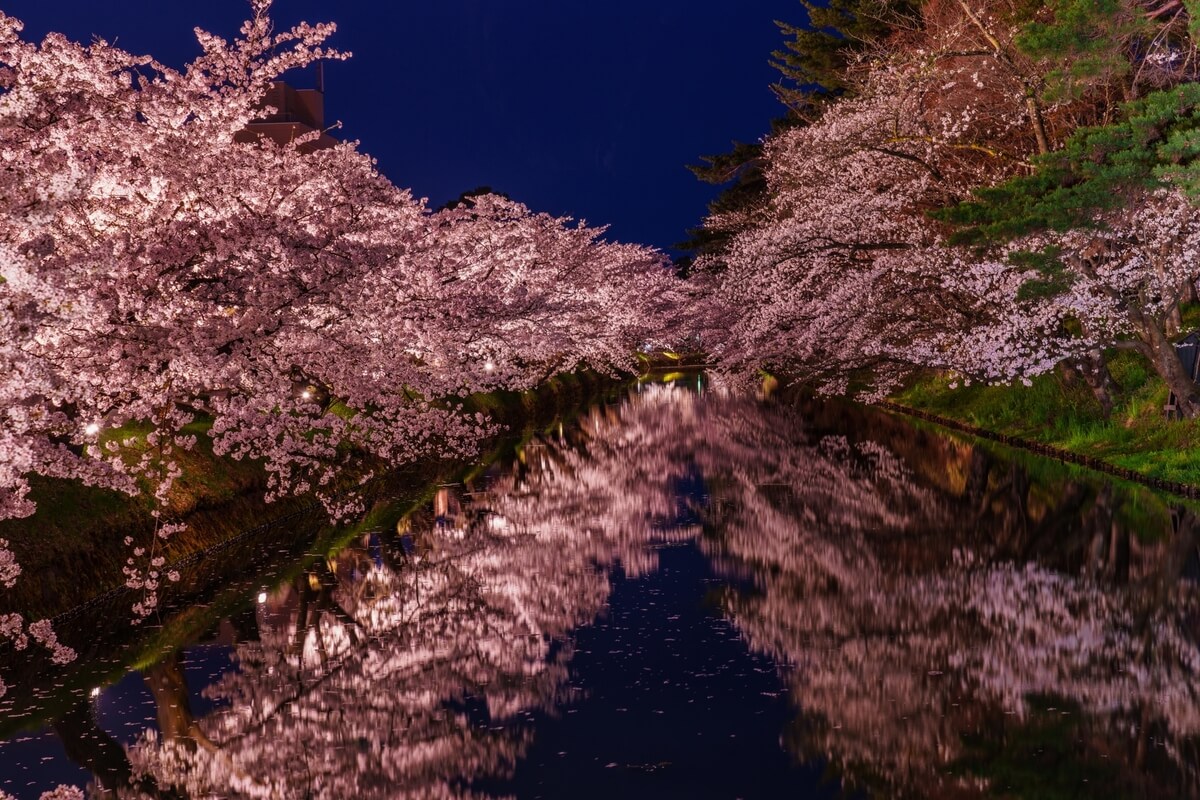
<point>924,604</point>
<point>408,668</point>
<point>917,611</point>
<point>902,643</point>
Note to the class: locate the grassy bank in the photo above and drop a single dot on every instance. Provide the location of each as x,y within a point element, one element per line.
<point>1052,411</point>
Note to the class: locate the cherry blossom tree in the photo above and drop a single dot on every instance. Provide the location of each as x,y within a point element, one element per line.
<point>1119,284</point>
<point>155,269</point>
<point>840,277</point>
<point>843,270</point>
<point>504,299</point>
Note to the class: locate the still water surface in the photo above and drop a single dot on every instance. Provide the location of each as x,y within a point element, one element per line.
<point>680,594</point>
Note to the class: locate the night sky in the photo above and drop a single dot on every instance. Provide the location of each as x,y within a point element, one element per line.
<point>588,109</point>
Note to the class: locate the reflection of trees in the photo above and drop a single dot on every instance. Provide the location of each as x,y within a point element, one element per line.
<point>931,605</point>
<point>902,642</point>
<point>406,666</point>
<point>88,745</point>
<point>916,609</point>
<point>358,683</point>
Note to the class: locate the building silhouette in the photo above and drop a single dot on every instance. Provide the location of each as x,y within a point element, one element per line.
<point>295,113</point>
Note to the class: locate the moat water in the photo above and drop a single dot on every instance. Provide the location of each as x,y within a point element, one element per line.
<point>680,593</point>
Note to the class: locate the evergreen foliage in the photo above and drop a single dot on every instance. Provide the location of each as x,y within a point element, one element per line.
<point>1053,277</point>
<point>1087,42</point>
<point>1099,168</point>
<point>740,169</point>
<point>815,57</point>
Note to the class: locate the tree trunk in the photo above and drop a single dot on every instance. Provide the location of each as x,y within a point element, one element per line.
<point>1034,110</point>
<point>170,690</point>
<point>89,746</point>
<point>1185,535</point>
<point>1166,364</point>
<point>1094,370</point>
<point>1118,555</point>
<point>1174,321</point>
<point>1174,317</point>
<point>977,483</point>
<point>1016,512</point>
<point>1099,521</point>
<point>1032,106</point>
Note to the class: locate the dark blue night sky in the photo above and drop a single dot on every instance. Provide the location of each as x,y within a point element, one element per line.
<point>589,109</point>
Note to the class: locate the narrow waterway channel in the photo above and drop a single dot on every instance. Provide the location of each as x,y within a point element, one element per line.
<point>680,593</point>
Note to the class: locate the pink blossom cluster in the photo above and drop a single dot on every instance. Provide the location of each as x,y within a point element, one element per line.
<point>842,269</point>
<point>60,792</point>
<point>14,630</point>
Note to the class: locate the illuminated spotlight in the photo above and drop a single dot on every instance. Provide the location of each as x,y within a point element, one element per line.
<point>489,366</point>
<point>306,395</point>
<point>92,429</point>
<point>95,691</point>
<point>262,598</point>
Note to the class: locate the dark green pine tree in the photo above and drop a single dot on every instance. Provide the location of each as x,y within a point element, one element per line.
<point>1090,44</point>
<point>740,171</point>
<point>1156,143</point>
<point>814,57</point>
